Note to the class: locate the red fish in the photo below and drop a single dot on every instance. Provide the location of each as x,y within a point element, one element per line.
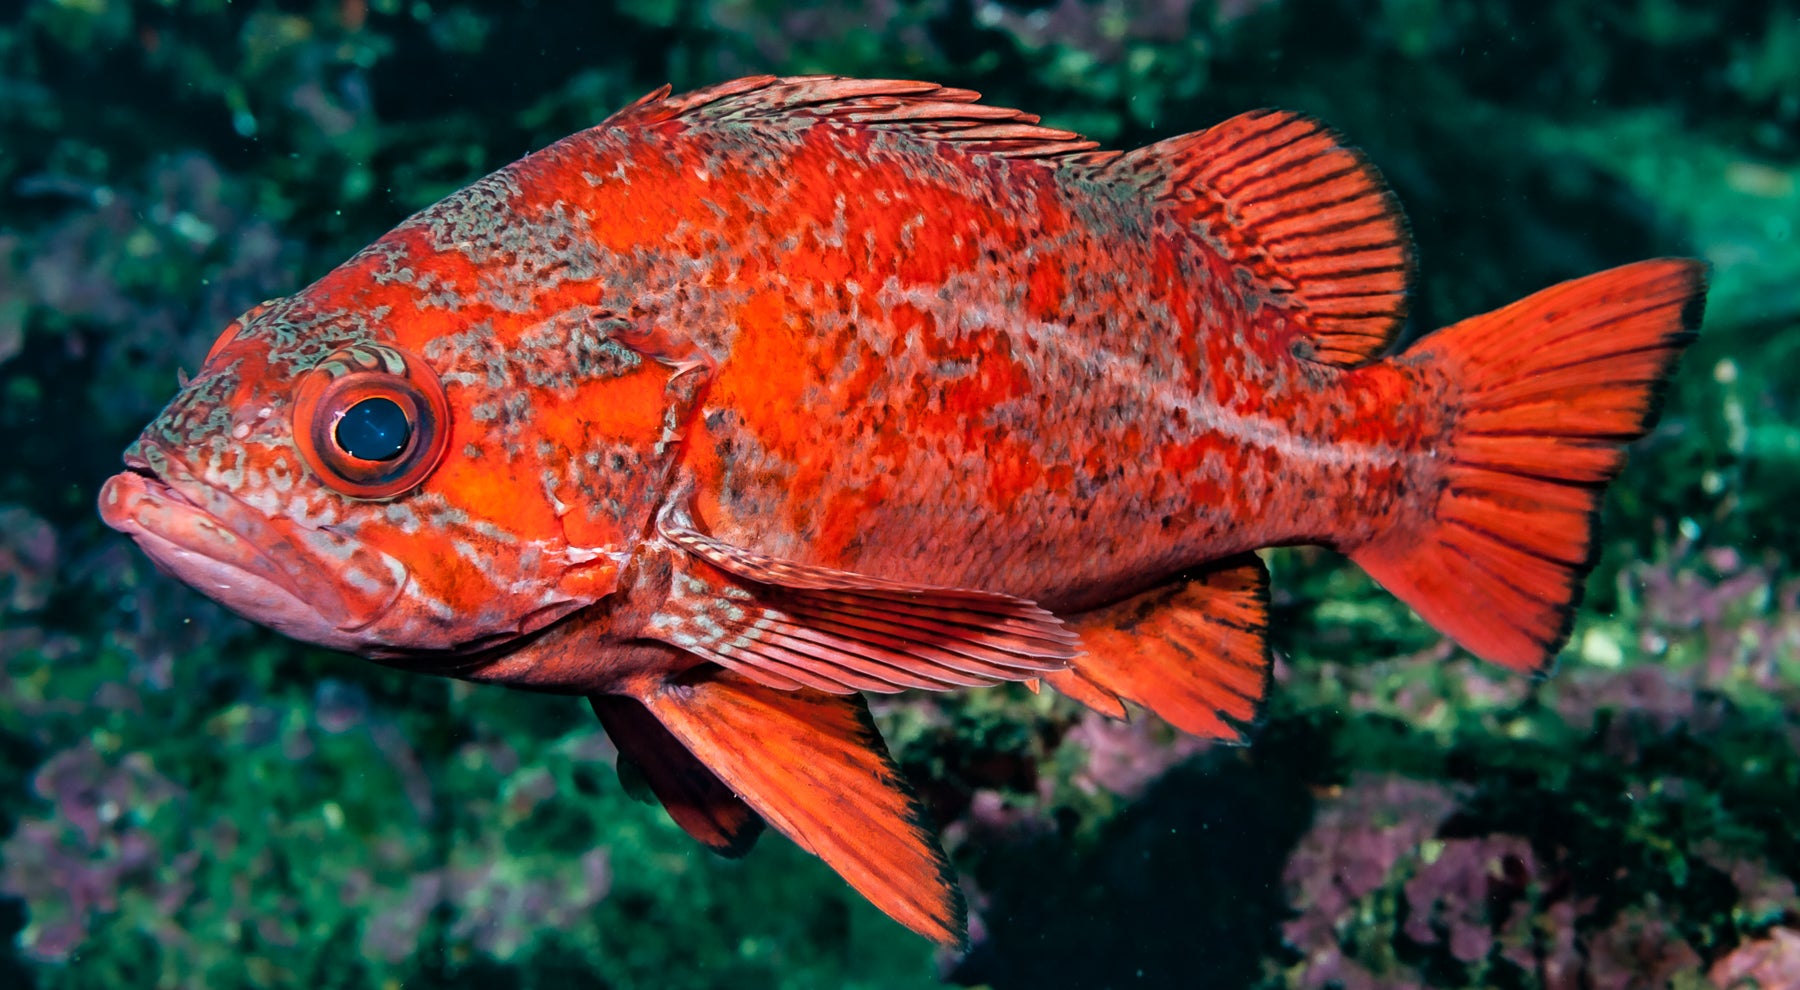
<point>748,401</point>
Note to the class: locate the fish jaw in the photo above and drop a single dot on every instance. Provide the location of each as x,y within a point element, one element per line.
<point>235,556</point>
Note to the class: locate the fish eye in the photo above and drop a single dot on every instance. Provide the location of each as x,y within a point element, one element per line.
<point>375,429</point>
<point>371,421</point>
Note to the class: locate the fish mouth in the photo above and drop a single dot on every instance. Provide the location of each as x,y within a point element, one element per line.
<point>232,554</point>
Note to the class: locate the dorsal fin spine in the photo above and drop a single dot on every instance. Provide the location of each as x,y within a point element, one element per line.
<point>924,110</point>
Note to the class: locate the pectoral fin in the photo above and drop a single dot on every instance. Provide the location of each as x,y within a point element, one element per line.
<point>1194,651</point>
<point>696,799</point>
<point>814,766</point>
<point>788,625</point>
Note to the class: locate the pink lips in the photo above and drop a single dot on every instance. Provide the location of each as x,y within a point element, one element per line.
<point>233,555</point>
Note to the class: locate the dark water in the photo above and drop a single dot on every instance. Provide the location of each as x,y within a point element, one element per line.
<point>186,800</point>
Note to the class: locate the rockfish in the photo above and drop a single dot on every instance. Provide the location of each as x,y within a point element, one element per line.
<point>745,402</point>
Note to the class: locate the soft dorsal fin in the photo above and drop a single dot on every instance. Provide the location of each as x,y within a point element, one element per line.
<point>1310,219</point>
<point>696,799</point>
<point>815,767</point>
<point>1194,651</point>
<point>921,109</point>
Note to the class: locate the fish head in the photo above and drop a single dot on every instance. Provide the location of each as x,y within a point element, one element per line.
<point>354,479</point>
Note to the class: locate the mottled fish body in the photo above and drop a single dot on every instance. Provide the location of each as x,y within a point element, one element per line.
<point>750,400</point>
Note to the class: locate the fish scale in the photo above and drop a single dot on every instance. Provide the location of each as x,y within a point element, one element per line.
<point>751,400</point>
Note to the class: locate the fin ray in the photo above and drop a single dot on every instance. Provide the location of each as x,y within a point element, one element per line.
<point>1306,215</point>
<point>814,766</point>
<point>1550,390</point>
<point>1195,651</point>
<point>788,625</point>
<point>921,109</point>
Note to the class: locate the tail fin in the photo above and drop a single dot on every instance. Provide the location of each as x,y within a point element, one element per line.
<point>1550,390</point>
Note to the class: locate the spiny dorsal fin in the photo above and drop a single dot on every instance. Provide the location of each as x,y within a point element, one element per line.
<point>921,109</point>
<point>1310,219</point>
<point>1194,651</point>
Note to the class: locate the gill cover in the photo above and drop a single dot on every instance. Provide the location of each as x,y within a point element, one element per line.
<point>371,421</point>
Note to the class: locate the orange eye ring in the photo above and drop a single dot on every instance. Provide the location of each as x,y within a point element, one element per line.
<point>371,376</point>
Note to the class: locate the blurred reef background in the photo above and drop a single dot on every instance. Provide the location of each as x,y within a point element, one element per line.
<point>188,801</point>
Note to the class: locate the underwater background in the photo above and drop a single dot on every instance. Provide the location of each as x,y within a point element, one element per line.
<point>189,801</point>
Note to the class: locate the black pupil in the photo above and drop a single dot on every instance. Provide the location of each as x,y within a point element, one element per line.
<point>374,430</point>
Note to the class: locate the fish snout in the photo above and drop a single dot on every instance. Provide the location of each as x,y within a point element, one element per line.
<point>117,497</point>
<point>318,586</point>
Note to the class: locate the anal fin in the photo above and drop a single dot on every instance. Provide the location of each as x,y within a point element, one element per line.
<point>1194,651</point>
<point>693,796</point>
<point>815,767</point>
